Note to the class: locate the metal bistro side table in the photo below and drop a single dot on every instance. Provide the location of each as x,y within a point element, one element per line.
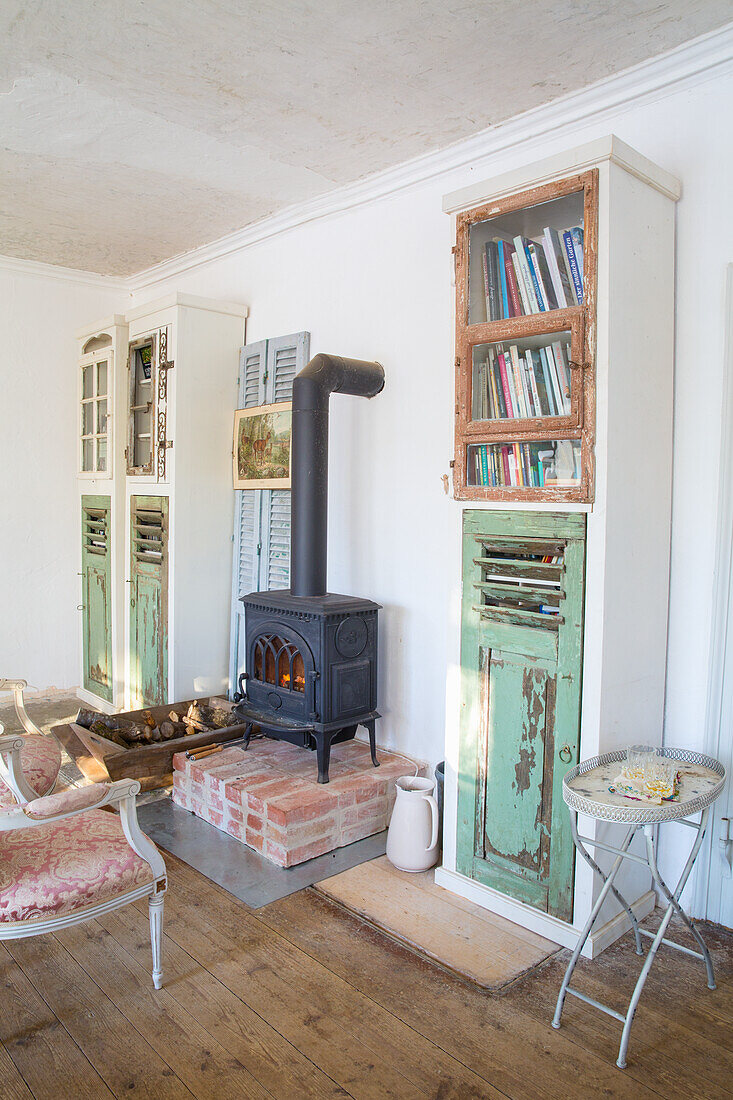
<point>586,791</point>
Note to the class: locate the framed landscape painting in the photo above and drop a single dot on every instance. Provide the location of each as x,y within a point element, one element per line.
<point>262,446</point>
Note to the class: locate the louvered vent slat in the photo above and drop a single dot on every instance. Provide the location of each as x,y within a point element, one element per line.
<point>285,371</point>
<point>148,534</point>
<point>250,379</point>
<point>279,558</point>
<point>520,581</point>
<point>94,530</point>
<point>246,573</point>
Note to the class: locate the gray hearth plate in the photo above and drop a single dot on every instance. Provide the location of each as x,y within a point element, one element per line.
<point>235,867</point>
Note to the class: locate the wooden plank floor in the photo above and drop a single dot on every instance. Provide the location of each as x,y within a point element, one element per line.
<point>301,999</point>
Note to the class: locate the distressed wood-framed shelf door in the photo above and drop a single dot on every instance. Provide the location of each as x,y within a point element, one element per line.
<point>521,668</point>
<point>96,603</point>
<point>566,418</point>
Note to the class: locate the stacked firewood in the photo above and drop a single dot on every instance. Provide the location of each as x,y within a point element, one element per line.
<point>147,730</point>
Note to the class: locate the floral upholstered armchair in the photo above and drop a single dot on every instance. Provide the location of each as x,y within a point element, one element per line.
<point>65,859</point>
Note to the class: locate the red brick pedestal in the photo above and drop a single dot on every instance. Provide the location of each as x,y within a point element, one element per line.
<point>268,796</point>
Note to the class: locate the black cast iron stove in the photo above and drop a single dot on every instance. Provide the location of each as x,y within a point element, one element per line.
<point>311,655</point>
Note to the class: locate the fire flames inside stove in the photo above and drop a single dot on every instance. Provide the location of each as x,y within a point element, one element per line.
<point>279,662</point>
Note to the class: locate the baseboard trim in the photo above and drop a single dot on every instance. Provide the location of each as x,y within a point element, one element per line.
<point>95,701</point>
<point>542,923</point>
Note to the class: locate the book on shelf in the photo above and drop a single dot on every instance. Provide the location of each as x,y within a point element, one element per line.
<point>525,276</point>
<point>511,279</point>
<point>501,261</point>
<point>497,392</point>
<point>577,234</point>
<point>520,252</point>
<point>494,310</point>
<point>563,373</point>
<point>542,275</point>
<point>532,381</point>
<point>575,269</point>
<point>510,396</point>
<point>556,264</point>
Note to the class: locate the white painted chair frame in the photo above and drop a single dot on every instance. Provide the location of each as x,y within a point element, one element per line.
<point>121,794</point>
<point>11,772</point>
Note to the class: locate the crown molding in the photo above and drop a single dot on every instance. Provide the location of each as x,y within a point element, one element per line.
<point>692,63</point>
<point>117,320</point>
<point>38,270</point>
<point>569,162</point>
<point>190,301</point>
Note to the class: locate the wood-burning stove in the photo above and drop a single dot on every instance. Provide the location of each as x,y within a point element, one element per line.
<point>311,655</point>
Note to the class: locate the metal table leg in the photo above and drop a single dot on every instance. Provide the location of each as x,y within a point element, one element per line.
<point>616,893</point>
<point>607,887</point>
<point>672,907</point>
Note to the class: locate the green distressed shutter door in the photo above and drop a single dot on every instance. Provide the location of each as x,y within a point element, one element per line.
<point>148,601</point>
<point>522,631</point>
<point>96,595</point>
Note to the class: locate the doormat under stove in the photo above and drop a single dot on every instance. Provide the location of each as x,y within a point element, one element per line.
<point>235,867</point>
<point>457,934</point>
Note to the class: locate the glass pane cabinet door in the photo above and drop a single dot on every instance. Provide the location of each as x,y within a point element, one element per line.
<point>526,284</point>
<point>142,406</point>
<point>524,379</point>
<point>518,464</point>
<point>95,417</point>
<point>527,261</point>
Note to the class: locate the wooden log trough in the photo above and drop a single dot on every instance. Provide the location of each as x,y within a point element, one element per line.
<point>101,759</point>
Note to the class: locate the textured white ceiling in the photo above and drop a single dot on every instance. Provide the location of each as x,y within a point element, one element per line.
<point>131,132</point>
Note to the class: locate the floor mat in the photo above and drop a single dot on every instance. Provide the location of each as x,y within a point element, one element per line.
<point>466,939</point>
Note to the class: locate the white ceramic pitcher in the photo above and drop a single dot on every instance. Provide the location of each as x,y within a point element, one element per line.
<point>412,840</point>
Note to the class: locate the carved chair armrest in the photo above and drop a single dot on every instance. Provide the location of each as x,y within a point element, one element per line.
<point>79,800</point>
<point>17,687</point>
<point>11,768</point>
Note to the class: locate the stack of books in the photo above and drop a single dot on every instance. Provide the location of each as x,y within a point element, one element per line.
<point>515,384</point>
<point>523,276</point>
<point>525,465</point>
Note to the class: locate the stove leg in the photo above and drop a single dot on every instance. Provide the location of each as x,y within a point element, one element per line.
<point>372,741</point>
<point>247,736</point>
<point>323,755</point>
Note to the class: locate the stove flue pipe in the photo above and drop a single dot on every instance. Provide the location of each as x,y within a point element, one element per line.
<point>312,388</point>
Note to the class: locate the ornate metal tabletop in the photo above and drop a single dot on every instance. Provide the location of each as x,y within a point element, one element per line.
<point>585,789</point>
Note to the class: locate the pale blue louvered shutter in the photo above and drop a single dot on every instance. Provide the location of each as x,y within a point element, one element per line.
<point>285,357</point>
<point>246,537</point>
<point>262,521</point>
<point>275,557</point>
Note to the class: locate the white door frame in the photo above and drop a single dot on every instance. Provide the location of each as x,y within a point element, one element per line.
<point>714,886</point>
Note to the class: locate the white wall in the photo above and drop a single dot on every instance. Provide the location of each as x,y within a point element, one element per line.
<point>40,544</point>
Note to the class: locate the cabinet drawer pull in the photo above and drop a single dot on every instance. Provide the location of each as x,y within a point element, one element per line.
<point>566,754</point>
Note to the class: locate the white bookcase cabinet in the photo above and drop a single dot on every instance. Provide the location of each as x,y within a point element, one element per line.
<point>171,516</point>
<point>628,524</point>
